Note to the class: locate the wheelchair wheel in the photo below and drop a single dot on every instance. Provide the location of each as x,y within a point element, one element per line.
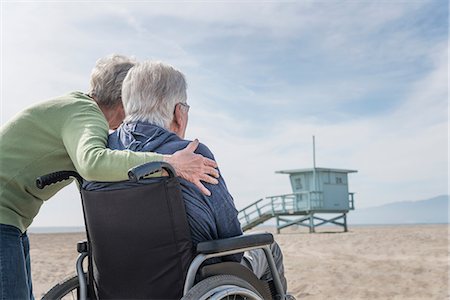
<point>67,289</point>
<point>222,287</point>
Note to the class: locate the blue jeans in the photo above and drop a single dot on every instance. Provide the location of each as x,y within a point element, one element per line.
<point>15,269</point>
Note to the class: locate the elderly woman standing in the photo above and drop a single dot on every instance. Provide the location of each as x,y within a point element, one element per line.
<point>68,133</point>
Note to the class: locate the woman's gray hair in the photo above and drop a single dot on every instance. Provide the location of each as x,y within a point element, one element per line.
<point>151,91</point>
<point>107,77</point>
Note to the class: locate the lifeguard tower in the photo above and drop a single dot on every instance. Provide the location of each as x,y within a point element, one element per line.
<point>314,191</point>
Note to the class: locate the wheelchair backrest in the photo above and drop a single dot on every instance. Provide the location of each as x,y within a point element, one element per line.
<point>140,244</point>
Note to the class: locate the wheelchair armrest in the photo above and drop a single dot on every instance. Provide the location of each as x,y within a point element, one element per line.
<point>234,243</point>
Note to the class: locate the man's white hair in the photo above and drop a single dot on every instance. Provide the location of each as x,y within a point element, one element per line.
<point>107,77</point>
<point>150,92</point>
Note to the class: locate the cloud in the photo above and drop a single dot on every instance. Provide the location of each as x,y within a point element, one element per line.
<point>368,79</point>
<point>401,154</point>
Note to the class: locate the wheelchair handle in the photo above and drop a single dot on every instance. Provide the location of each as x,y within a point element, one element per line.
<point>43,181</point>
<point>139,172</point>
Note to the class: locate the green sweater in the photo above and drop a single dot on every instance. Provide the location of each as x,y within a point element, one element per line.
<point>67,133</point>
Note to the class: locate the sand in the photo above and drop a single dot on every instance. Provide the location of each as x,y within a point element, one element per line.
<point>382,262</point>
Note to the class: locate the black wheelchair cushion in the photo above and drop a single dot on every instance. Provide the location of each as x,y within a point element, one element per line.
<point>140,241</point>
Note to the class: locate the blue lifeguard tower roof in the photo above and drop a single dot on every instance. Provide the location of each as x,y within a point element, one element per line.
<point>294,171</point>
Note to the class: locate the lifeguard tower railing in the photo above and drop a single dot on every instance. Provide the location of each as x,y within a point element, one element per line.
<point>305,204</point>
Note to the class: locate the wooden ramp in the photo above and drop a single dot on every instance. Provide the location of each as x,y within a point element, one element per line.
<point>293,209</point>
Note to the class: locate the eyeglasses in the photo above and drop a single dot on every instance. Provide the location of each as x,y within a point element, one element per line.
<point>185,105</point>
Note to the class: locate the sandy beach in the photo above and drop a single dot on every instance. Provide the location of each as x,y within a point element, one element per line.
<point>378,262</point>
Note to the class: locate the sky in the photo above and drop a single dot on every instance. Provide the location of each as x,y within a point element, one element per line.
<point>369,79</point>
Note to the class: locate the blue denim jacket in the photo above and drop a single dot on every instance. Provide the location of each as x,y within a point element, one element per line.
<point>210,218</point>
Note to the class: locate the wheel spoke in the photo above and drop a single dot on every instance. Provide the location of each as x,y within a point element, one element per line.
<point>68,289</point>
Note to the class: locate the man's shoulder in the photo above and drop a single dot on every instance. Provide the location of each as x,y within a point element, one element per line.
<point>175,144</point>
<point>204,150</point>
<point>201,149</point>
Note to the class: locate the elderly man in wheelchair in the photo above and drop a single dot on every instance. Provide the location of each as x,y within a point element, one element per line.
<point>161,238</point>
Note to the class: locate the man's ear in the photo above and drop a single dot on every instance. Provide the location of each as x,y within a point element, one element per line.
<point>176,121</point>
<point>178,116</point>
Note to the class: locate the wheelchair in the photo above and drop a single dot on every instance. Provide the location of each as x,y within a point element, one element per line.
<point>138,247</point>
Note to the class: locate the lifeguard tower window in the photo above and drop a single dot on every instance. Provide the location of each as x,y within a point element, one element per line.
<point>338,180</point>
<point>298,183</point>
